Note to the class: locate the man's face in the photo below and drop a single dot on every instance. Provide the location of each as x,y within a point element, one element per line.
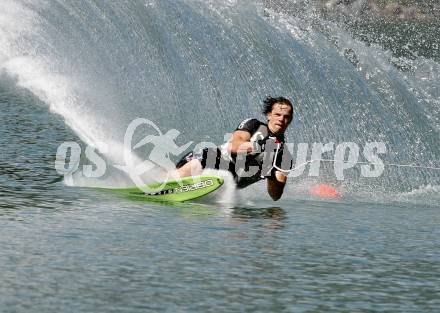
<point>279,118</point>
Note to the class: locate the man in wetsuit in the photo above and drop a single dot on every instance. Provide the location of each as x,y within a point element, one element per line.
<point>249,153</point>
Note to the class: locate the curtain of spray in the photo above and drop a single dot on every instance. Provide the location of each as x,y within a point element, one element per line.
<point>201,67</point>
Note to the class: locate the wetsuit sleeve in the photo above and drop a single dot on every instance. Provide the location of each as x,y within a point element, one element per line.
<point>251,125</point>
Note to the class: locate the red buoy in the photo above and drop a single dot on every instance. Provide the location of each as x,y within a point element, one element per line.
<point>325,191</point>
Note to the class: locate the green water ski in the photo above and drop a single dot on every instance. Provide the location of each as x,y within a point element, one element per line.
<point>184,189</point>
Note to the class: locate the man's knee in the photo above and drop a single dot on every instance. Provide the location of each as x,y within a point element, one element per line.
<point>191,168</point>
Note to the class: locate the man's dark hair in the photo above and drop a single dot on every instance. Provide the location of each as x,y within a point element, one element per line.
<point>269,102</point>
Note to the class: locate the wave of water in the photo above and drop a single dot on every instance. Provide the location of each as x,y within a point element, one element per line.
<point>202,66</point>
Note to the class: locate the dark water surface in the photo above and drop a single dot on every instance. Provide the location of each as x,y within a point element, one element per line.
<point>101,255</point>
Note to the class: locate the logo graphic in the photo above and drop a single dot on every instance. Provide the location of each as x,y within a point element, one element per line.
<point>163,146</point>
<point>196,186</point>
<point>159,167</point>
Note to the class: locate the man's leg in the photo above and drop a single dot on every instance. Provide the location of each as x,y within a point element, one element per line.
<point>194,162</point>
<point>191,168</point>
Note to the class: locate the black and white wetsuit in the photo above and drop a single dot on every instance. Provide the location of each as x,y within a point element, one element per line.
<point>246,168</point>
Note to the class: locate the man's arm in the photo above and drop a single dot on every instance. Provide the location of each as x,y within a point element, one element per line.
<point>240,142</point>
<point>275,186</point>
